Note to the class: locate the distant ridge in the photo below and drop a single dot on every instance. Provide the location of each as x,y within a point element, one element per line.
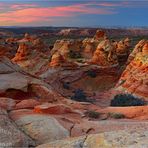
<point>105,27</point>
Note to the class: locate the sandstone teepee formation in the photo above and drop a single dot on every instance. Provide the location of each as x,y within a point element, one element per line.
<point>134,78</point>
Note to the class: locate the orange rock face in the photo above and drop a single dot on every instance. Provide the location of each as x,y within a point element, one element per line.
<point>105,54</point>
<point>64,47</point>
<point>30,59</point>
<point>123,47</point>
<point>27,104</point>
<point>22,52</point>
<point>145,49</point>
<point>7,103</point>
<point>58,60</point>
<point>53,109</point>
<point>100,35</point>
<point>138,48</point>
<point>89,46</point>
<point>8,50</point>
<point>135,77</point>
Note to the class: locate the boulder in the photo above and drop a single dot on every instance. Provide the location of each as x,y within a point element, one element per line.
<point>10,135</point>
<point>42,128</point>
<point>14,80</point>
<point>126,138</point>
<point>10,78</point>
<point>27,104</point>
<point>43,92</point>
<point>7,103</point>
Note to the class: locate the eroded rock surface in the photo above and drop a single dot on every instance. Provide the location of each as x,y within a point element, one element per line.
<point>10,135</point>
<point>42,128</point>
<point>105,54</point>
<point>42,94</point>
<point>134,79</point>
<point>30,59</point>
<point>108,140</point>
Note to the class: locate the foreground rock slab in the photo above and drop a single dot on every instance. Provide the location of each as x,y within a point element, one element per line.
<point>122,139</point>
<point>7,103</point>
<point>10,135</point>
<point>42,128</point>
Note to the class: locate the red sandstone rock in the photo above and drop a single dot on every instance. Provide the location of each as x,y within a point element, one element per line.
<point>7,103</point>
<point>8,50</point>
<point>123,47</point>
<point>129,112</point>
<point>89,46</point>
<point>105,54</point>
<point>58,60</point>
<point>135,75</point>
<point>22,52</point>
<point>44,93</point>
<point>30,59</point>
<point>100,35</point>
<point>27,104</point>
<point>53,109</point>
<point>137,49</point>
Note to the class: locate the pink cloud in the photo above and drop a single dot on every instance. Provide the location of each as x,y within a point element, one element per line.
<point>107,4</point>
<point>29,15</point>
<point>112,4</point>
<point>20,6</point>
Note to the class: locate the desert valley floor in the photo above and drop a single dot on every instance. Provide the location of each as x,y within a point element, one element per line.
<point>73,88</point>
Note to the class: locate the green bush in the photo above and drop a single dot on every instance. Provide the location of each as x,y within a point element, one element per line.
<point>93,114</point>
<point>126,100</point>
<point>116,115</point>
<point>66,85</point>
<point>92,73</point>
<point>79,95</point>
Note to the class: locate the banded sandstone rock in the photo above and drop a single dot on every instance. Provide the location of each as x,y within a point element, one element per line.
<point>135,77</point>
<point>30,59</point>
<point>105,54</point>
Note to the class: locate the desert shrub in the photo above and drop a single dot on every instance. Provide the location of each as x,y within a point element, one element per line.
<point>116,115</point>
<point>79,95</point>
<point>66,85</point>
<point>126,100</point>
<point>92,73</point>
<point>74,54</point>
<point>80,60</point>
<point>92,114</point>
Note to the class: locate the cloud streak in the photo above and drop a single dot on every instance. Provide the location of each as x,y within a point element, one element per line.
<point>21,6</point>
<point>29,13</point>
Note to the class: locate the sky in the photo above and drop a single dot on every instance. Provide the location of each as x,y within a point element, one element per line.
<point>79,13</point>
